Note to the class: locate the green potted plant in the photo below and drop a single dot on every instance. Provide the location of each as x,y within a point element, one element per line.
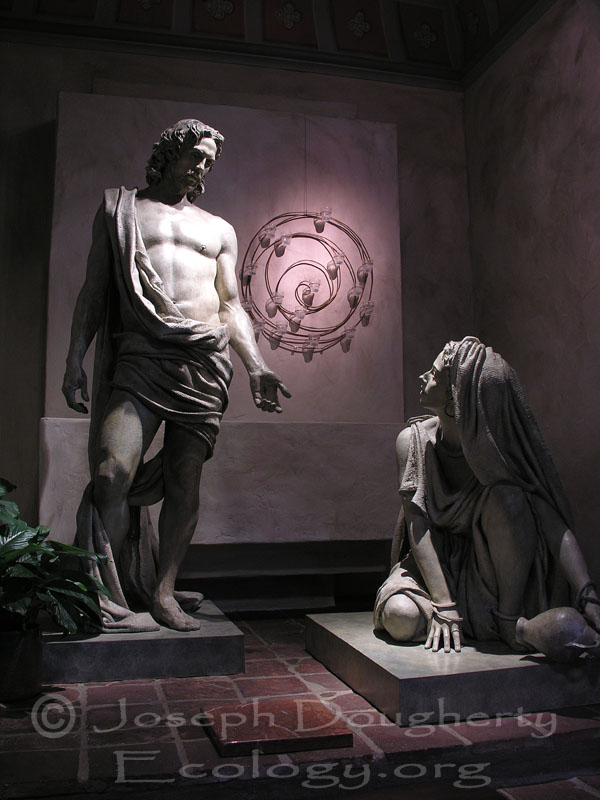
<point>37,575</point>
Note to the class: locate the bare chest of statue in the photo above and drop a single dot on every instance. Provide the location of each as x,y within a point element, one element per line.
<point>183,245</point>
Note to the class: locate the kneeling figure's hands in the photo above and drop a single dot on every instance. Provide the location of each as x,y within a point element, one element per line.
<point>444,629</point>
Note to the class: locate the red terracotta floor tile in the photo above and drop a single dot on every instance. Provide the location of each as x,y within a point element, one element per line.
<point>287,650</point>
<point>131,737</point>
<point>276,726</point>
<point>555,790</point>
<point>270,687</point>
<point>307,666</point>
<point>392,739</point>
<point>591,780</point>
<point>19,722</point>
<point>349,701</point>
<point>68,691</point>
<point>108,693</point>
<point>194,718</point>
<point>262,668</point>
<point>27,704</point>
<point>191,710</point>
<point>567,720</point>
<point>361,717</point>
<point>45,765</point>
<point>203,763</point>
<point>276,639</point>
<point>23,742</point>
<point>122,764</point>
<point>51,715</point>
<point>325,683</point>
<point>194,732</point>
<point>106,720</point>
<point>129,682</point>
<point>270,626</point>
<point>258,763</point>
<point>198,689</point>
<point>499,729</point>
<point>252,640</point>
<point>258,651</point>
<point>360,749</point>
<point>403,790</point>
<point>199,751</point>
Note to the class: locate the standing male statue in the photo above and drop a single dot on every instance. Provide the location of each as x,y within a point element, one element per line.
<point>161,295</point>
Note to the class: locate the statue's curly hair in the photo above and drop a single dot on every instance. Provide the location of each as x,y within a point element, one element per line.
<point>170,144</point>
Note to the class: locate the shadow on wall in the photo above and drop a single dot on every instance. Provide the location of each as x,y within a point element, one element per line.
<point>27,189</point>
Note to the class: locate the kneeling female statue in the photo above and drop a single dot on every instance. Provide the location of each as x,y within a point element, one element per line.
<point>484,535</point>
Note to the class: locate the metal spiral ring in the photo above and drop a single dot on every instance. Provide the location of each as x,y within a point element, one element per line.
<point>280,264</point>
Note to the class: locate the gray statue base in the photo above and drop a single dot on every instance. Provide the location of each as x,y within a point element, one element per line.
<point>405,680</point>
<point>216,649</point>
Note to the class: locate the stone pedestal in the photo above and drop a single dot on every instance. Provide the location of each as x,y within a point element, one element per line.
<point>405,680</point>
<point>216,649</point>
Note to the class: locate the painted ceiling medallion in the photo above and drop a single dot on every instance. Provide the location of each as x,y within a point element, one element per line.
<point>425,36</point>
<point>358,25</point>
<point>219,9</point>
<point>288,15</point>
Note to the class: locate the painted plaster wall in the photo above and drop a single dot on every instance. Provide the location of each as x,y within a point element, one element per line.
<point>432,204</point>
<point>533,139</point>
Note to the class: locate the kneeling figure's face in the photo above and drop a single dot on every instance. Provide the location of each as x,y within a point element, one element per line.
<point>435,386</point>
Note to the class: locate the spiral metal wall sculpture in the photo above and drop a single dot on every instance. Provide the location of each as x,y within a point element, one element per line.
<point>307,288</point>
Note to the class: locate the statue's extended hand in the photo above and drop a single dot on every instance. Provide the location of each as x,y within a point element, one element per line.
<point>75,379</point>
<point>264,386</point>
<point>444,628</point>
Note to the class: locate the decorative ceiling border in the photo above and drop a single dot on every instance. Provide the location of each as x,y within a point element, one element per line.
<point>443,44</point>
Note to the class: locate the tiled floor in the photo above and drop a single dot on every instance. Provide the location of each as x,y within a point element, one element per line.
<point>148,739</point>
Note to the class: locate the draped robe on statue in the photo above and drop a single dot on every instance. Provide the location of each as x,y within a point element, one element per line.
<point>179,368</point>
<point>501,444</point>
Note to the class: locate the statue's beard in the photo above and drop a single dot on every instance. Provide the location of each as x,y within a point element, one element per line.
<point>198,189</point>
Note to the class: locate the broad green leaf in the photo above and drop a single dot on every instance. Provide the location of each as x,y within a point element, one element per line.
<point>83,602</point>
<point>18,538</point>
<point>21,571</point>
<point>90,583</point>
<point>69,549</point>
<point>20,606</point>
<point>58,612</point>
<point>6,487</point>
<point>9,508</point>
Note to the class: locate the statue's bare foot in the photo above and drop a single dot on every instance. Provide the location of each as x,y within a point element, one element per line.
<point>167,611</point>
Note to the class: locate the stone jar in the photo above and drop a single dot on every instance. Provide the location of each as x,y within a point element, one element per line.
<point>561,634</point>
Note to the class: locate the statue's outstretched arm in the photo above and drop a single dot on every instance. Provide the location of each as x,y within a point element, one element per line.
<point>445,622</point>
<point>264,383</point>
